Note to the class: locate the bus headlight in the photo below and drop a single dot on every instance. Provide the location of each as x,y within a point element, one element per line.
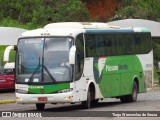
<point>21,91</point>
<point>65,90</point>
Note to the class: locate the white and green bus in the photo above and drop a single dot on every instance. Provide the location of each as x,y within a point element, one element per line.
<point>82,62</point>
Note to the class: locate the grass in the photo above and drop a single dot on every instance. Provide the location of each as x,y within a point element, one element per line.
<point>2,48</point>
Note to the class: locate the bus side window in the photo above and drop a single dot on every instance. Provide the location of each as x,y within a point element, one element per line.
<point>100,45</point>
<point>79,64</point>
<point>129,43</point>
<point>120,44</point>
<point>143,43</point>
<point>108,41</point>
<point>90,45</point>
<point>147,43</point>
<point>111,44</point>
<point>138,43</point>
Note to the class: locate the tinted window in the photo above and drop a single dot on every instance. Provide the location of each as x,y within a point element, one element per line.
<point>111,44</point>
<point>79,56</point>
<point>129,43</point>
<point>143,43</point>
<point>121,44</point>
<point>6,72</point>
<point>90,45</point>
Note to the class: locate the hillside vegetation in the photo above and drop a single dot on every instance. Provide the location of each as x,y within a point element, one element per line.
<point>32,14</point>
<point>140,9</point>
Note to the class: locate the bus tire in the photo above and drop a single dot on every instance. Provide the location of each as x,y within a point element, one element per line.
<point>87,104</point>
<point>123,99</point>
<point>132,97</point>
<point>40,106</point>
<point>94,102</point>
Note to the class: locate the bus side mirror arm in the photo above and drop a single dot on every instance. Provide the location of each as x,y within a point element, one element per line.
<point>72,54</point>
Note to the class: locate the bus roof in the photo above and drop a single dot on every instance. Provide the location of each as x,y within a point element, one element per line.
<point>74,28</point>
<point>78,25</point>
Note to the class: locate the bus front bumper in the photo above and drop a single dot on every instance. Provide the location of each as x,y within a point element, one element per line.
<point>44,98</point>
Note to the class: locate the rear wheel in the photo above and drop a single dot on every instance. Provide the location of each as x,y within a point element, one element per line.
<point>40,106</point>
<point>123,99</point>
<point>133,96</point>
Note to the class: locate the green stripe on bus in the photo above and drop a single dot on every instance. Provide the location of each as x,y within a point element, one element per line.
<point>37,89</point>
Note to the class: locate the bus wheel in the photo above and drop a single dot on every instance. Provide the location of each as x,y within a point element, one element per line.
<point>133,96</point>
<point>40,106</point>
<point>87,104</point>
<point>94,102</point>
<point>123,99</point>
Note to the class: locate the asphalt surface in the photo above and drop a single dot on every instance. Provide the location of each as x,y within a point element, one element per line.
<point>7,95</point>
<point>149,101</point>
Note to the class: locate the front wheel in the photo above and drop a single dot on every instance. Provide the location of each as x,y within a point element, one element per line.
<point>87,104</point>
<point>40,106</point>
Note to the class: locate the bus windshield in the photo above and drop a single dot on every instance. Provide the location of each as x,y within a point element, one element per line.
<point>43,60</point>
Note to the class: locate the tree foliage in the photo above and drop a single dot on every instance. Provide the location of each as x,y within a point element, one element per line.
<point>141,9</point>
<point>34,13</point>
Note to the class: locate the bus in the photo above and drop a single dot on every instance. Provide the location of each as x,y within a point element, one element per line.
<point>74,62</point>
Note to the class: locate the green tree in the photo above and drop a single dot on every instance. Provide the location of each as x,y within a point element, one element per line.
<point>37,13</point>
<point>141,9</point>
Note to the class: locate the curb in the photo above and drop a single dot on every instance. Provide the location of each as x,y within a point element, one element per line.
<point>7,101</point>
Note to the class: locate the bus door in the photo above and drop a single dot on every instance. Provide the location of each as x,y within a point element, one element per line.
<point>80,82</point>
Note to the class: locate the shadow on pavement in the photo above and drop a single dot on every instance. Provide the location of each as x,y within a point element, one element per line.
<point>7,91</point>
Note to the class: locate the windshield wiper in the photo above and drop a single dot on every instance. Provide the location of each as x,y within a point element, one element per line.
<point>34,72</point>
<point>43,66</point>
<point>50,75</point>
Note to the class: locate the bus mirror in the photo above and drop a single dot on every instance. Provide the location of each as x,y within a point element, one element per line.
<point>72,54</point>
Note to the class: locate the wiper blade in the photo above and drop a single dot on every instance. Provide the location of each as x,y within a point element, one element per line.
<point>31,77</point>
<point>50,75</point>
<point>34,72</point>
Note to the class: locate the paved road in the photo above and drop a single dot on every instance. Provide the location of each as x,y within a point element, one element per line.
<point>149,101</point>
<point>7,95</point>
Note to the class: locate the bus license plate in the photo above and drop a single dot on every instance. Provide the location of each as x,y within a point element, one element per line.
<point>42,99</point>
